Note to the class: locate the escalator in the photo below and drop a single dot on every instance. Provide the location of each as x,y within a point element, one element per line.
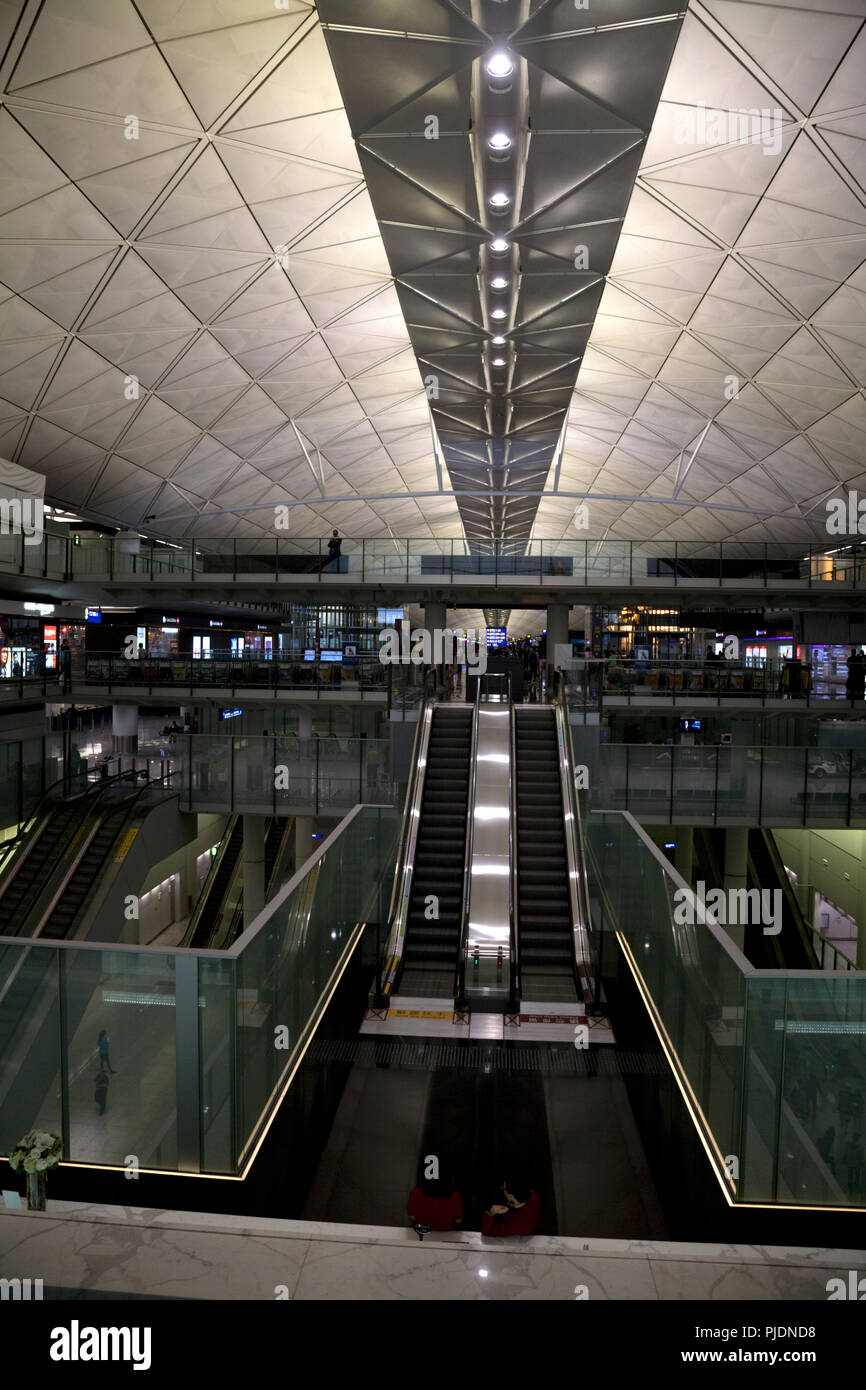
<point>208,911</point>
<point>430,953</point>
<point>791,948</point>
<point>61,918</point>
<point>229,921</point>
<point>543,905</point>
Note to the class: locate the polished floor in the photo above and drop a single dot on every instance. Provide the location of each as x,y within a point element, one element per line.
<point>561,1115</point>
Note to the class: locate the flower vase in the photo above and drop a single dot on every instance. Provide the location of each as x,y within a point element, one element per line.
<point>35,1191</point>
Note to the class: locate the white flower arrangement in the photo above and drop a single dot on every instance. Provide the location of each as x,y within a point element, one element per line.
<point>36,1152</point>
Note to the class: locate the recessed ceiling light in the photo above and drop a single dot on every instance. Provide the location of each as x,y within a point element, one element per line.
<point>499,362</point>
<point>499,314</point>
<point>500,141</point>
<point>499,245</point>
<point>499,283</point>
<point>500,65</point>
<point>499,342</point>
<point>499,200</point>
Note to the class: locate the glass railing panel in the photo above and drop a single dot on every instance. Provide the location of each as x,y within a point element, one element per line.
<point>207,781</point>
<point>29,1043</point>
<point>299,556</point>
<point>696,987</point>
<point>694,562</point>
<point>292,958</point>
<point>11,549</point>
<point>385,557</point>
<point>788,563</point>
<point>90,556</point>
<point>217,1022</point>
<point>430,557</point>
<point>564,559</point>
<point>607,560</point>
<point>783,786</point>
<point>256,557</point>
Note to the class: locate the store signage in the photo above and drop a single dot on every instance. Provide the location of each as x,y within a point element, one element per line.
<point>174,621</point>
<point>43,609</point>
<point>230,713</point>
<point>93,615</point>
<point>216,622</point>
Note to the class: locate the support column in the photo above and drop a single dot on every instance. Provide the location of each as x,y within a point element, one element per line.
<point>254,867</point>
<point>736,872</point>
<point>305,723</point>
<point>435,617</point>
<point>303,840</point>
<point>557,636</point>
<point>124,728</point>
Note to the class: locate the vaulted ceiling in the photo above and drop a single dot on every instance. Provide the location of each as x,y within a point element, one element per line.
<point>222,289</point>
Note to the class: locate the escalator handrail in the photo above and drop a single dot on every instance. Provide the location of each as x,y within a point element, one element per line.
<point>127,808</point>
<point>780,872</point>
<point>219,939</point>
<point>513,847</point>
<point>407,803</point>
<point>207,887</point>
<point>392,963</point>
<point>460,972</point>
<point>84,800</point>
<point>32,820</point>
<point>578,888</point>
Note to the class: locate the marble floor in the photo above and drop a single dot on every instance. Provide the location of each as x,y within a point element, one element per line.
<point>125,1251</point>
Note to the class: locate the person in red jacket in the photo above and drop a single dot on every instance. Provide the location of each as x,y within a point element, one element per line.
<point>519,1217</point>
<point>435,1205</point>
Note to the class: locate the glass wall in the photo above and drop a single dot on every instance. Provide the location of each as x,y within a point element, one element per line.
<point>191,1062</point>
<point>776,1062</point>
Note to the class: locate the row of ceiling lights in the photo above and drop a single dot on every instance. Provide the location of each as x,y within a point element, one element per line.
<point>499,67</point>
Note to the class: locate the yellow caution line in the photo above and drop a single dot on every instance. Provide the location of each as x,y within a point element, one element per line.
<point>125,845</point>
<point>420,1014</point>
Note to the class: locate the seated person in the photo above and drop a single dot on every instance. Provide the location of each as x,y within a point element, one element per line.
<point>519,1217</point>
<point>435,1204</point>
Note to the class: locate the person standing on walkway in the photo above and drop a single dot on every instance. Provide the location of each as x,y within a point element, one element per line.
<point>100,1090</point>
<point>65,667</point>
<point>104,1057</point>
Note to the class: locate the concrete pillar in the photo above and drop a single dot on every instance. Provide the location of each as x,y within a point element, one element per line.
<point>684,851</point>
<point>305,723</point>
<point>736,871</point>
<point>303,840</point>
<point>124,728</point>
<point>435,615</point>
<point>557,636</point>
<point>254,867</point>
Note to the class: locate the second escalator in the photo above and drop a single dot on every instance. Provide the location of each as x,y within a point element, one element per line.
<point>432,942</point>
<point>544,921</point>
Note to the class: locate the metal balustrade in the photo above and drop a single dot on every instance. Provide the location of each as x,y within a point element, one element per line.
<point>584,563</point>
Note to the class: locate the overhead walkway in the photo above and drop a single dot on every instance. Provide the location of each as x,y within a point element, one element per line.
<point>469,573</point>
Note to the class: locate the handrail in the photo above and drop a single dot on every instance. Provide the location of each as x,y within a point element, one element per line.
<point>407,801</point>
<point>787,887</point>
<point>85,798</point>
<point>392,964</point>
<point>820,944</point>
<point>514,891</point>
<point>204,895</point>
<point>127,807</point>
<point>581,959</point>
<point>460,973</point>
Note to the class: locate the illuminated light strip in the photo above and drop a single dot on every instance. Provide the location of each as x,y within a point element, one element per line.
<point>241,1176</point>
<point>694,1110</point>
<point>791,1026</point>
<point>673,1061</point>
